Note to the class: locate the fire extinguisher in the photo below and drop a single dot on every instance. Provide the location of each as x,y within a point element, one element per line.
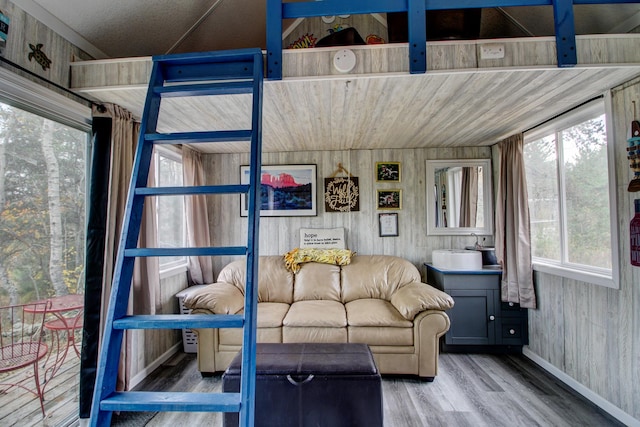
<point>635,235</point>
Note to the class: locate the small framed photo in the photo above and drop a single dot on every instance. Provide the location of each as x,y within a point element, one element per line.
<point>388,172</point>
<point>388,224</point>
<point>389,199</point>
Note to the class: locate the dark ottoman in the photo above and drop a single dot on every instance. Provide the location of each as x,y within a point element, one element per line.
<point>311,385</point>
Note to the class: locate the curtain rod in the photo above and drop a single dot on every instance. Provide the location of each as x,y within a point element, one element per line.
<point>563,113</point>
<point>56,85</point>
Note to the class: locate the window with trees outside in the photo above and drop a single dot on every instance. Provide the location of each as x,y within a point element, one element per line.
<point>569,190</point>
<point>170,210</point>
<point>42,206</point>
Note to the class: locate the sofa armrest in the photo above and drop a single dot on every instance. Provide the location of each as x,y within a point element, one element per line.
<point>415,297</point>
<point>219,298</point>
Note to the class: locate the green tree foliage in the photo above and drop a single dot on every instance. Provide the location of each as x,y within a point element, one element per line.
<point>585,190</point>
<point>25,237</point>
<point>587,193</point>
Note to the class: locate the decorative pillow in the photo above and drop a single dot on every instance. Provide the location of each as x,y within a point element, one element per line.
<point>297,256</point>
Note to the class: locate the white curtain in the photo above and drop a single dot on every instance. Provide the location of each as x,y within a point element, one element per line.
<point>513,237</point>
<point>200,267</point>
<point>144,298</point>
<point>454,186</point>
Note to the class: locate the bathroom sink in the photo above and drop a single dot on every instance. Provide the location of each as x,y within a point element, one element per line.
<point>456,259</point>
<point>488,254</point>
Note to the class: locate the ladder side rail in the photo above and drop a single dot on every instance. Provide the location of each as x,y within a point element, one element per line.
<point>118,301</point>
<point>248,375</point>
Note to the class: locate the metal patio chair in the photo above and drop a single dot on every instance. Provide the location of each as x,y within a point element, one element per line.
<point>21,346</point>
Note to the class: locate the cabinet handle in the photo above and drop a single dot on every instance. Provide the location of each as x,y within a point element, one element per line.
<point>492,317</point>
<point>512,331</point>
<point>510,304</point>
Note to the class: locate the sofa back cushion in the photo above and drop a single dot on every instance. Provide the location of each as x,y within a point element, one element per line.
<point>275,282</point>
<point>317,281</point>
<point>376,276</point>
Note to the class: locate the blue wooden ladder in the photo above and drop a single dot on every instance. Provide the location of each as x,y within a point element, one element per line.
<point>232,72</point>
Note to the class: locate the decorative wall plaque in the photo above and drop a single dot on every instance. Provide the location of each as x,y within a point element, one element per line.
<point>341,193</point>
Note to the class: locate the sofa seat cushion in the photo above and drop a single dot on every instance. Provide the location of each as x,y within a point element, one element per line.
<point>380,336</point>
<point>316,313</point>
<point>313,334</point>
<point>270,317</point>
<point>377,322</point>
<point>376,313</point>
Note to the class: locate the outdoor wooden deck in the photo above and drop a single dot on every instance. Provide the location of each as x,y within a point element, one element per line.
<point>21,408</point>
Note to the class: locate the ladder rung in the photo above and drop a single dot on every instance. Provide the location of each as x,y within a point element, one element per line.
<point>196,137</point>
<point>183,191</point>
<point>180,321</point>
<point>146,401</point>
<point>204,251</point>
<point>204,89</point>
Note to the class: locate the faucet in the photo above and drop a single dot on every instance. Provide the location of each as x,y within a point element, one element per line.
<point>477,245</point>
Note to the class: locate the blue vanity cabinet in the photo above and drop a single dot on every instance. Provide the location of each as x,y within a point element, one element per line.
<point>480,321</point>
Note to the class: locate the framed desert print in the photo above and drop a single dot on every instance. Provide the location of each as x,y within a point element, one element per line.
<point>285,190</point>
<point>388,171</point>
<point>389,199</point>
<point>387,224</point>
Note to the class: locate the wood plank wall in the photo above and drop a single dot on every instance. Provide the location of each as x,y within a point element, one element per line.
<point>592,333</point>
<point>280,235</point>
<point>25,30</point>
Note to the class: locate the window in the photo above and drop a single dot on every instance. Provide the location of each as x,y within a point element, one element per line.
<point>170,210</point>
<point>568,184</point>
<point>44,141</point>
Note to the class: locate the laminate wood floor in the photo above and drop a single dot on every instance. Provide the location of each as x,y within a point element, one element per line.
<point>470,390</point>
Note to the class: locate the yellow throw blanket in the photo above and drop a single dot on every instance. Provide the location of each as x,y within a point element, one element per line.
<point>297,256</point>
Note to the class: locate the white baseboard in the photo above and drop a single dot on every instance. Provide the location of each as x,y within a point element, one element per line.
<point>587,393</point>
<point>137,379</point>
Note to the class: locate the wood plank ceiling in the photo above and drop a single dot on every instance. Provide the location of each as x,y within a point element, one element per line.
<point>469,106</point>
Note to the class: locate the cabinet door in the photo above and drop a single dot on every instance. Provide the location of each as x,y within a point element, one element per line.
<point>472,317</point>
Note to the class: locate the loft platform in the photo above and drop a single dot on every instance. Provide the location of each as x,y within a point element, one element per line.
<point>277,10</point>
<point>462,99</point>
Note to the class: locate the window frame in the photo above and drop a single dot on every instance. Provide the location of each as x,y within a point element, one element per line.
<point>179,266</point>
<point>563,268</point>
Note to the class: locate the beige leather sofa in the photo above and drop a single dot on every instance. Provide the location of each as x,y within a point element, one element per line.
<point>378,300</point>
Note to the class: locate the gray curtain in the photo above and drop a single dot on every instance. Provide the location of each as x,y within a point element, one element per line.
<point>513,237</point>
<point>200,267</point>
<point>144,298</point>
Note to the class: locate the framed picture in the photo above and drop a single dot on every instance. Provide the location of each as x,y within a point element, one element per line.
<point>387,224</point>
<point>389,199</point>
<point>388,171</point>
<point>285,190</point>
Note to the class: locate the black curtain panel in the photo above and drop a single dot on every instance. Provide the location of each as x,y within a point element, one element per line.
<point>96,226</point>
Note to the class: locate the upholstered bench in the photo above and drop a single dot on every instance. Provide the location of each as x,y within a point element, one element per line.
<point>311,385</point>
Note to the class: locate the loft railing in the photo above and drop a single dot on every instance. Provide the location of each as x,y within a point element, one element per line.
<point>277,10</point>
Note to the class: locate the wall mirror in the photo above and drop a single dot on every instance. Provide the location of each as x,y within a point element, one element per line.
<point>459,197</point>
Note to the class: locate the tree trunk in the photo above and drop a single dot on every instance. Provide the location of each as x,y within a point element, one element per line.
<point>5,282</point>
<point>56,260</point>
